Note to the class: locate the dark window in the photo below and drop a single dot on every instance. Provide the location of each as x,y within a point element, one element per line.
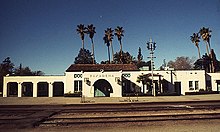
<point>77,86</point>
<point>196,85</point>
<point>191,85</point>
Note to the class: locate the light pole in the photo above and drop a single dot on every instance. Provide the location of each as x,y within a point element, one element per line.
<point>152,46</point>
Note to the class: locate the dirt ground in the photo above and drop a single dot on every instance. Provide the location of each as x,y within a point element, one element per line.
<point>162,126</point>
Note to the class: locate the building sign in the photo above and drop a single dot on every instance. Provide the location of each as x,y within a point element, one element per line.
<point>126,75</point>
<point>101,75</point>
<point>77,75</point>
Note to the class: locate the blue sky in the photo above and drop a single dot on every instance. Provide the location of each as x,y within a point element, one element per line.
<point>42,34</point>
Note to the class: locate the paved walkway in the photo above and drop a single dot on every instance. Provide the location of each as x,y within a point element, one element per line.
<point>77,100</point>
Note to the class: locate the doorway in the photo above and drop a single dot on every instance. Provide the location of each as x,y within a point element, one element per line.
<point>102,88</point>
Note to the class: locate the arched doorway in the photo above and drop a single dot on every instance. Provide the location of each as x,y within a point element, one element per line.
<point>58,89</point>
<point>42,89</point>
<point>12,88</point>
<point>27,89</point>
<point>102,88</point>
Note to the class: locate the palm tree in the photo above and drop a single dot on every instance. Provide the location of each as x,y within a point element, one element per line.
<point>81,30</point>
<point>205,33</point>
<point>91,31</point>
<point>105,38</point>
<point>195,39</point>
<point>109,37</point>
<point>119,33</point>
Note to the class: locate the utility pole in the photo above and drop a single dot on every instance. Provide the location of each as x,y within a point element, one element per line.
<point>152,46</point>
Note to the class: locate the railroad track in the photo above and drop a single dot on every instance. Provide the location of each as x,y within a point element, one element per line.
<point>132,113</point>
<point>23,116</point>
<point>126,119</point>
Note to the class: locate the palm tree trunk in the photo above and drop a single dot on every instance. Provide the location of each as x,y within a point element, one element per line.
<point>208,41</point>
<point>120,52</point>
<point>108,55</point>
<point>211,56</point>
<point>199,51</point>
<point>207,48</point>
<point>112,51</point>
<point>93,56</point>
<point>83,50</point>
<point>83,44</point>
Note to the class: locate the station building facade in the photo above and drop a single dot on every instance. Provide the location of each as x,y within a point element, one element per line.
<point>110,80</point>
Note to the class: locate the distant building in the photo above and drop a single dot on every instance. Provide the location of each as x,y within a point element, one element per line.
<point>110,80</point>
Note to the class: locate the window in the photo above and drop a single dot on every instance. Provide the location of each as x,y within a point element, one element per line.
<point>191,85</point>
<point>196,85</point>
<point>77,86</point>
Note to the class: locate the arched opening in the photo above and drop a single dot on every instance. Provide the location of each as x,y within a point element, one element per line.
<point>12,89</point>
<point>27,89</point>
<point>102,88</point>
<point>42,89</point>
<point>58,89</point>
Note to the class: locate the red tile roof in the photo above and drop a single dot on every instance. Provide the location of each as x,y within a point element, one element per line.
<point>98,67</point>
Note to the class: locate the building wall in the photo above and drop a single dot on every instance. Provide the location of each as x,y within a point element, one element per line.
<point>213,77</point>
<point>92,77</point>
<point>192,75</point>
<point>88,80</point>
<point>34,79</point>
<point>174,76</point>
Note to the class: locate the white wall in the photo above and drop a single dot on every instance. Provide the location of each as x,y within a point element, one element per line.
<point>192,75</point>
<point>88,91</point>
<point>34,79</point>
<point>214,78</point>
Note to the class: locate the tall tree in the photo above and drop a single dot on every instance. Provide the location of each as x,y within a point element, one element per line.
<point>195,39</point>
<point>91,31</point>
<point>127,58</point>
<point>205,33</point>
<point>119,33</point>
<point>23,71</point>
<point>108,40</point>
<point>105,38</point>
<point>6,67</point>
<point>139,56</point>
<point>181,63</point>
<point>81,30</point>
<point>84,57</point>
<point>203,63</point>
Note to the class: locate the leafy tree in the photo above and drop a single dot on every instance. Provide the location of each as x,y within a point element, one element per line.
<point>91,31</point>
<point>84,57</point>
<point>127,58</point>
<point>119,33</point>
<point>22,71</point>
<point>195,39</point>
<point>139,62</point>
<point>144,78</point>
<point>203,63</point>
<point>214,62</point>
<point>6,67</point>
<point>181,63</point>
<point>26,71</point>
<point>139,56</point>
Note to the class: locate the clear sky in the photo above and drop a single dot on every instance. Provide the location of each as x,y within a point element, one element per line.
<point>42,34</point>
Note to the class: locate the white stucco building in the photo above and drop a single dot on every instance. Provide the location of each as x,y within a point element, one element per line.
<point>110,80</point>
